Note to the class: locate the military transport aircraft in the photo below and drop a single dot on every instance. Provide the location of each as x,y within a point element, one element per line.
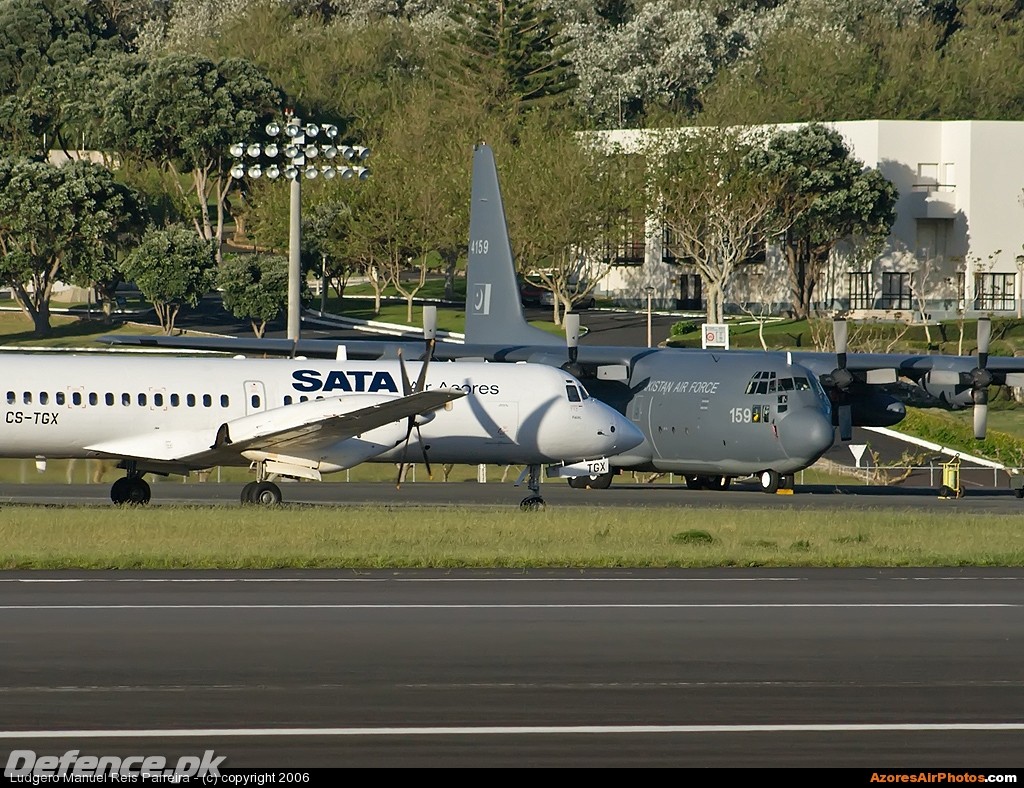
<point>299,418</point>
<point>709,415</point>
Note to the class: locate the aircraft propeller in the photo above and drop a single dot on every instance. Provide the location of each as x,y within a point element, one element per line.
<point>572,341</point>
<point>408,389</point>
<point>429,330</point>
<point>839,380</point>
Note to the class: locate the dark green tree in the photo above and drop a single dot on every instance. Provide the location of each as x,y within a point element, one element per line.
<point>830,197</point>
<point>254,287</point>
<point>57,223</point>
<point>520,45</point>
<point>184,112</point>
<point>172,267</point>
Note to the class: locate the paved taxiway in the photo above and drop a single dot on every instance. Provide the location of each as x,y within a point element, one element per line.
<point>556,493</point>
<point>843,668</point>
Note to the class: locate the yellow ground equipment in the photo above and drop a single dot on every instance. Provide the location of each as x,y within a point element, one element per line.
<point>951,487</point>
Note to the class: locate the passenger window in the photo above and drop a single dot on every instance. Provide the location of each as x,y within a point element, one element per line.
<point>190,400</point>
<point>109,398</point>
<point>158,400</point>
<point>76,398</point>
<point>27,398</point>
<point>43,397</point>
<point>59,396</point>
<point>288,400</point>
<point>175,400</point>
<point>142,400</point>
<point>126,399</point>
<point>255,400</point>
<point>224,401</point>
<point>303,398</point>
<point>93,398</point>
<point>11,398</point>
<point>207,401</point>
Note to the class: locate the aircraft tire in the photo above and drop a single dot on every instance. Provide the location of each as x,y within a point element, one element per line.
<point>719,482</point>
<point>119,491</point>
<point>139,492</point>
<point>769,481</point>
<point>786,481</point>
<point>266,494</point>
<point>247,492</point>
<point>532,503</point>
<point>1019,492</point>
<point>694,482</point>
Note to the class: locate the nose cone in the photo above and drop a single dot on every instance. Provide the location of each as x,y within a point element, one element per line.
<point>620,433</point>
<point>806,434</point>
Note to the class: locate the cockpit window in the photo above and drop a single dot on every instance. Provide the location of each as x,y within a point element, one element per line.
<point>572,392</point>
<point>802,384</point>
<point>761,383</point>
<point>786,384</point>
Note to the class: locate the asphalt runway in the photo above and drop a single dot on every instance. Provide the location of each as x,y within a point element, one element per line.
<point>859,668</point>
<point>556,494</point>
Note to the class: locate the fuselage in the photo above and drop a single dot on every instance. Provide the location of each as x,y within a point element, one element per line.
<point>63,406</point>
<point>716,413</point>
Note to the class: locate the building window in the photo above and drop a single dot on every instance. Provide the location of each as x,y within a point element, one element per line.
<point>861,296</point>
<point>625,241</point>
<point>994,292</point>
<point>896,292</point>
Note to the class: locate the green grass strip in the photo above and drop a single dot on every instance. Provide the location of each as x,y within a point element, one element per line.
<point>54,537</point>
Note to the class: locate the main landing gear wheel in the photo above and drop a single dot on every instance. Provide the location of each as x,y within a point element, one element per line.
<point>266,494</point>
<point>131,490</point>
<point>694,482</point>
<point>248,491</point>
<point>600,482</point>
<point>769,481</point>
<point>719,482</point>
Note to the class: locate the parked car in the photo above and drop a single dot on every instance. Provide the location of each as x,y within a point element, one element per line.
<point>587,301</point>
<point>531,293</point>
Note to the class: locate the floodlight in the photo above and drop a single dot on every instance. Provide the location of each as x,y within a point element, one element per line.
<point>293,129</point>
<point>237,150</point>
<point>273,171</point>
<point>362,153</point>
<point>271,150</point>
<point>238,171</point>
<point>310,172</point>
<point>328,171</point>
<point>312,129</point>
<point>291,173</point>
<point>253,150</point>
<point>329,151</point>
<point>273,128</point>
<point>363,173</point>
<point>255,171</point>
<point>347,151</point>
<point>347,173</point>
<point>311,151</point>
<point>291,151</point>
<point>331,131</point>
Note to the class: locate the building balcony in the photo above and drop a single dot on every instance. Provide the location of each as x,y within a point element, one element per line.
<point>932,202</point>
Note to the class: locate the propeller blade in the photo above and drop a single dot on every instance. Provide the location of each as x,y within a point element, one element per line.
<point>572,334</point>
<point>406,391</point>
<point>430,329</point>
<point>406,385</point>
<point>845,422</point>
<point>980,412</point>
<point>423,448</point>
<point>840,332</point>
<point>984,336</point>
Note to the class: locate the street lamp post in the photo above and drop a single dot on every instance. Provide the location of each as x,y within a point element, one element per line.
<point>650,292</point>
<point>298,160</point>
<point>1020,284</point>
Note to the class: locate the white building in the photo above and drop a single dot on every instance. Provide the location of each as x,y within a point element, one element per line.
<point>957,242</point>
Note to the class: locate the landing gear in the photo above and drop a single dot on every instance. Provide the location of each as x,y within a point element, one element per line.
<point>261,491</point>
<point>131,489</point>
<point>533,502</point>
<point>694,482</point>
<point>600,482</point>
<point>769,481</point>
<point>704,482</point>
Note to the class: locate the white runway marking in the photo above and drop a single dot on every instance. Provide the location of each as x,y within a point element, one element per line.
<point>510,730</point>
<point>243,580</point>
<point>595,606</point>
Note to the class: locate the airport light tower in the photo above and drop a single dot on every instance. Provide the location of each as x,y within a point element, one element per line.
<point>298,155</point>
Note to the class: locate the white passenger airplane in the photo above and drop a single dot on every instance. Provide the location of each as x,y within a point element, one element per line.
<point>299,418</point>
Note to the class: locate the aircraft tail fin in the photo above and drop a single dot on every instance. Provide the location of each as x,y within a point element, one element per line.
<point>494,310</point>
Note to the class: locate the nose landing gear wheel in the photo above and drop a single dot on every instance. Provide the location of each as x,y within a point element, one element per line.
<point>769,481</point>
<point>533,503</point>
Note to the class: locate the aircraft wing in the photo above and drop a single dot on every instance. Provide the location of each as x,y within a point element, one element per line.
<point>297,429</point>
